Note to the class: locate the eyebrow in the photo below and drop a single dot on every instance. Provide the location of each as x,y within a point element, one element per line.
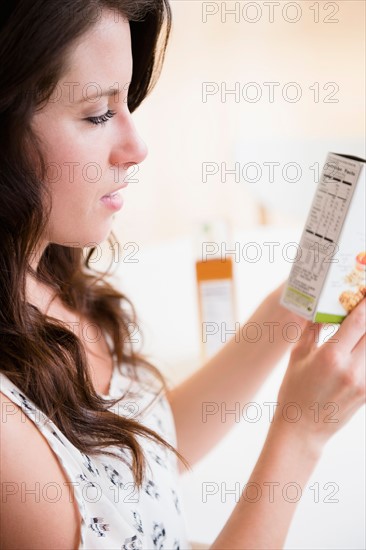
<point>112,92</point>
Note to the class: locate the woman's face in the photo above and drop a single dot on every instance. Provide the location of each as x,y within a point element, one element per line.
<point>85,161</point>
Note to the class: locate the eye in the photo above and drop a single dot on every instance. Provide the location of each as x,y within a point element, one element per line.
<point>101,119</point>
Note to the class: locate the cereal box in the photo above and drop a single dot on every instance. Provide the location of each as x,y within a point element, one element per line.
<point>328,276</point>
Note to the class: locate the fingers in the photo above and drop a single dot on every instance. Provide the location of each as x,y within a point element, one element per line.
<point>358,365</point>
<point>359,353</point>
<point>352,328</point>
<point>308,340</point>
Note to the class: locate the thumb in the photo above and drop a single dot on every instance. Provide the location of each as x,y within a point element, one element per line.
<point>308,340</point>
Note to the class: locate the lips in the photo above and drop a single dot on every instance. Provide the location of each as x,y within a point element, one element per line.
<point>111,193</point>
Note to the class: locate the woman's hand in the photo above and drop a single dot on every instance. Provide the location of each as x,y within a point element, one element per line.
<point>324,386</point>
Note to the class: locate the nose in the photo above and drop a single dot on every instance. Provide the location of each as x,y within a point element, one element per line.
<point>128,148</point>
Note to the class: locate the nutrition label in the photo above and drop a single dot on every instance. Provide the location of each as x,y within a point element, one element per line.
<point>322,230</point>
<point>331,200</point>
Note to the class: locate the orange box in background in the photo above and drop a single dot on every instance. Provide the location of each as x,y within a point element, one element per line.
<point>215,290</point>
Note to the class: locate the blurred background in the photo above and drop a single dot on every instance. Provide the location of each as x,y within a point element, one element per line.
<point>252,97</point>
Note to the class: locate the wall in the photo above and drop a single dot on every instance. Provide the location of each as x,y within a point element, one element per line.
<point>183,132</point>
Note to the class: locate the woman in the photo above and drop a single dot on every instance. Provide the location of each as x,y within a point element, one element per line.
<point>91,436</point>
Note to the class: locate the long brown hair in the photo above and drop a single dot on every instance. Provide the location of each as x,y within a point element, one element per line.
<point>45,359</point>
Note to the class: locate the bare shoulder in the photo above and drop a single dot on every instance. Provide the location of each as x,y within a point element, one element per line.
<point>38,510</point>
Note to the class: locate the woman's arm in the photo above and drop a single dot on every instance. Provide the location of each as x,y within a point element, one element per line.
<point>230,378</point>
<point>262,517</point>
<point>28,518</point>
<point>332,373</point>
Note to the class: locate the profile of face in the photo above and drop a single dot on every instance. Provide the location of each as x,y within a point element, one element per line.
<point>89,139</point>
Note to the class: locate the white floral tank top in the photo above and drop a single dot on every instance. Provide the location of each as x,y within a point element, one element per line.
<point>115,514</point>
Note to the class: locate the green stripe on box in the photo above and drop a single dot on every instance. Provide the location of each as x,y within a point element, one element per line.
<point>292,289</point>
<point>328,318</point>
